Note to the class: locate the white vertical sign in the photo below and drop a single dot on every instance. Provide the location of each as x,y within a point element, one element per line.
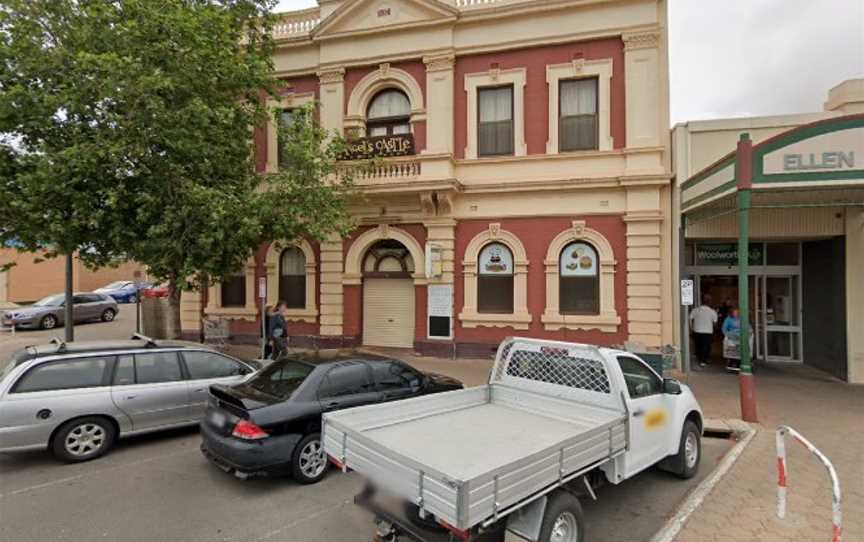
<point>686,292</point>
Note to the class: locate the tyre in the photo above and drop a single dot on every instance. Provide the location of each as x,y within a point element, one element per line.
<point>83,439</point>
<point>412,512</point>
<point>563,520</point>
<point>686,463</point>
<point>309,462</point>
<point>48,322</point>
<point>108,315</point>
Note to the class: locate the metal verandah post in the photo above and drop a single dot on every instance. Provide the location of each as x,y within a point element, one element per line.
<point>744,182</point>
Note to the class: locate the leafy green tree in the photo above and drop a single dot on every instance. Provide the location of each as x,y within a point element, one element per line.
<point>126,132</point>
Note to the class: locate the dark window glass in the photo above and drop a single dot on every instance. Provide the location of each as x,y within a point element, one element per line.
<point>211,365</point>
<point>391,375</point>
<point>292,278</point>
<point>579,286</point>
<point>287,118</point>
<point>346,380</point>
<point>439,326</point>
<point>280,378</point>
<point>495,279</point>
<point>157,367</point>
<point>79,300</point>
<point>124,373</point>
<point>577,109</point>
<point>64,375</point>
<point>234,291</point>
<point>495,121</point>
<point>389,113</point>
<point>641,380</point>
<point>783,253</point>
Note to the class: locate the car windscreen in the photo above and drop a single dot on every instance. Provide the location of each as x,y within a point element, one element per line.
<point>50,301</point>
<point>280,379</point>
<point>116,285</point>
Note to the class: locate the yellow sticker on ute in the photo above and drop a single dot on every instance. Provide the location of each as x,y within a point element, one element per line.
<point>655,418</point>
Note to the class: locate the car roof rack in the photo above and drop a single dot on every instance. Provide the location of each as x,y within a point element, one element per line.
<point>140,337</point>
<point>61,345</point>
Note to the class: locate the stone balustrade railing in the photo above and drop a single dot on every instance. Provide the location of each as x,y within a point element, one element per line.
<point>391,169</point>
<point>296,23</point>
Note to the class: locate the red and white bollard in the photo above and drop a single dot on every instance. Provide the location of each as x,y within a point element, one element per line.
<point>837,515</point>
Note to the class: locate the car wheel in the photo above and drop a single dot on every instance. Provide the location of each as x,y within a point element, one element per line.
<point>309,462</point>
<point>686,462</point>
<point>48,322</point>
<point>563,520</point>
<point>108,315</point>
<point>83,439</point>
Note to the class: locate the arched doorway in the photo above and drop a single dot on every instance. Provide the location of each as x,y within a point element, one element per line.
<point>388,295</point>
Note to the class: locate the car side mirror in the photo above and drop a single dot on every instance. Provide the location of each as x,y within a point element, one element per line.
<point>671,386</point>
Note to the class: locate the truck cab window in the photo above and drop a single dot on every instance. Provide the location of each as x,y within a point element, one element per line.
<point>641,380</point>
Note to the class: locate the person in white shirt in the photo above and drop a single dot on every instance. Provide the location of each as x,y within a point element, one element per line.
<point>702,320</point>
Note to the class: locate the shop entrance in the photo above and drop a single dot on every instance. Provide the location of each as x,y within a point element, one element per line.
<point>388,295</point>
<point>774,294</point>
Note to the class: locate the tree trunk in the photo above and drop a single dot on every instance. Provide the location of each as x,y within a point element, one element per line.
<point>172,325</point>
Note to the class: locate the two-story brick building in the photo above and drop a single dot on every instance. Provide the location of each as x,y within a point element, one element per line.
<point>527,188</point>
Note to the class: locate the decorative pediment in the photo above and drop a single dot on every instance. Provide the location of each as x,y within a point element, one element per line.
<point>361,16</point>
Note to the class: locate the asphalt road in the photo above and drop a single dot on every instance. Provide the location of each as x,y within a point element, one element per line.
<point>160,487</point>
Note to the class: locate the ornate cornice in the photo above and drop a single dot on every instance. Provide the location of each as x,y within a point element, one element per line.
<point>641,40</point>
<point>331,75</point>
<point>437,63</point>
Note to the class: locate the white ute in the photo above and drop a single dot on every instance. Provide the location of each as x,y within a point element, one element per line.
<point>555,421</point>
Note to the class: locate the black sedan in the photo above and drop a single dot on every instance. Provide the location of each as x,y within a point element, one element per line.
<point>272,422</point>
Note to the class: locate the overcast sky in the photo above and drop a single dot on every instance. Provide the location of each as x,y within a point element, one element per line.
<point>754,57</point>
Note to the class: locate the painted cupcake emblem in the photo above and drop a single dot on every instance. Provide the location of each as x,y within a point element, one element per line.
<point>495,265</point>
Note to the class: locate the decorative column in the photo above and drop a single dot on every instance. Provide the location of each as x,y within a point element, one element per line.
<point>332,97</point>
<point>645,282</point>
<point>331,286</point>
<point>645,123</point>
<point>439,103</point>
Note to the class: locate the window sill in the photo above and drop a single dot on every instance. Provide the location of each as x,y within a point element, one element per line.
<point>301,315</point>
<point>607,322</point>
<point>519,320</point>
<point>240,313</point>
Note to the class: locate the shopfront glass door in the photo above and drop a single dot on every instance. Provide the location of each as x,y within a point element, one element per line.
<point>778,317</point>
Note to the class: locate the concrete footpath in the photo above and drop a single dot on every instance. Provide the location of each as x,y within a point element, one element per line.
<point>741,507</point>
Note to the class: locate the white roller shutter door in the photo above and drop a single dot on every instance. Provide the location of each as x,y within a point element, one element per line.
<point>388,312</point>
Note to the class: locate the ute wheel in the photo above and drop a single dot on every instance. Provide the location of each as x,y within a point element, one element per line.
<point>48,322</point>
<point>108,315</point>
<point>309,462</point>
<point>563,520</point>
<point>83,439</point>
<point>412,512</point>
<point>685,463</point>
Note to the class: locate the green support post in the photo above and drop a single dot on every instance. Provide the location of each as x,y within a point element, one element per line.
<point>744,182</point>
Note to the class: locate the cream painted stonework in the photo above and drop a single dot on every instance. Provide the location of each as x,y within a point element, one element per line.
<point>271,264</point>
<point>354,258</point>
<point>289,101</point>
<point>581,69</point>
<point>520,318</point>
<point>608,319</point>
<point>248,312</point>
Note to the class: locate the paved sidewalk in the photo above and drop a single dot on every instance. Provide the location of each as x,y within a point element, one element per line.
<point>742,506</point>
<point>830,414</point>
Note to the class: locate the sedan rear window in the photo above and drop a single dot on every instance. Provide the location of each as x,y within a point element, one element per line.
<point>64,375</point>
<point>280,379</point>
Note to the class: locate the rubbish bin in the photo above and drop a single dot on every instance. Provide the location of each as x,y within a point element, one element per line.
<point>154,317</point>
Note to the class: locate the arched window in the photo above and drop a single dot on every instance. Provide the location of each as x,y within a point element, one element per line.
<point>580,279</point>
<point>495,279</point>
<point>292,278</point>
<point>389,113</point>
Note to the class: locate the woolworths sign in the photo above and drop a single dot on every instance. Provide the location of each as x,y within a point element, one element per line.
<point>725,254</point>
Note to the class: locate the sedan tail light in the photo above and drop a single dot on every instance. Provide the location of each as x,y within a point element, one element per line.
<point>248,431</point>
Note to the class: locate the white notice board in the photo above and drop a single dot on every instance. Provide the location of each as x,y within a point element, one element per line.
<point>686,292</point>
<point>440,300</point>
